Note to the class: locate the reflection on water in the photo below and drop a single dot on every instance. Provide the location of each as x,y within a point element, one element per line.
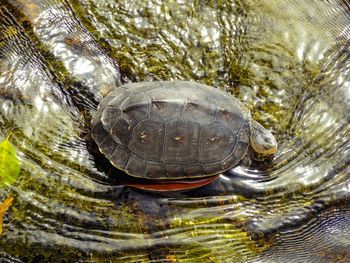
<point>286,60</point>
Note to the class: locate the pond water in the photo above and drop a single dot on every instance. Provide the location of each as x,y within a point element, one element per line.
<point>287,61</point>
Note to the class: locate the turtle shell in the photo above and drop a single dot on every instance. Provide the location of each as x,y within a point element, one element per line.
<point>171,130</point>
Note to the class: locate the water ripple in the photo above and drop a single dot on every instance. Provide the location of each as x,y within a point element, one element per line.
<point>286,60</point>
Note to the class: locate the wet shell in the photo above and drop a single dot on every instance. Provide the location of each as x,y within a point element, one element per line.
<point>171,130</point>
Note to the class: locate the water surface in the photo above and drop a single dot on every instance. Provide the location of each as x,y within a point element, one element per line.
<point>286,60</point>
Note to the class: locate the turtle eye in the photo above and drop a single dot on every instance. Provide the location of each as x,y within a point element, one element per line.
<point>269,142</point>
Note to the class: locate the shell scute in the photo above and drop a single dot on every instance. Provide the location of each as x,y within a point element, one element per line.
<point>181,141</point>
<point>218,141</point>
<point>165,106</point>
<point>147,139</point>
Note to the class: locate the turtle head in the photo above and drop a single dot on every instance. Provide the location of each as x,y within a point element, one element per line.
<point>262,140</point>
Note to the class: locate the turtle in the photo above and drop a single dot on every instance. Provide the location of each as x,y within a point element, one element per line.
<point>176,129</point>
